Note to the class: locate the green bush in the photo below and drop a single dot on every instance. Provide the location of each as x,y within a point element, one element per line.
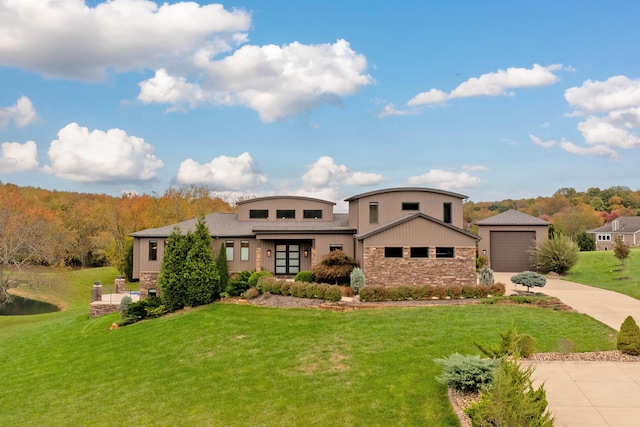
<point>305,276</point>
<point>629,337</point>
<point>511,400</point>
<point>511,344</point>
<point>529,279</point>
<point>620,249</point>
<point>427,292</point>
<point>223,267</point>
<point>253,279</point>
<point>252,293</point>
<point>238,283</point>
<point>467,373</point>
<point>481,261</point>
<point>357,280</point>
<point>585,241</point>
<point>486,276</point>
<point>125,303</point>
<point>148,308</point>
<point>557,254</point>
<point>335,267</point>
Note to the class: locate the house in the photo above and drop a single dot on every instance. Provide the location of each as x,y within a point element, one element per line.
<point>397,235</point>
<point>628,227</point>
<point>506,239</point>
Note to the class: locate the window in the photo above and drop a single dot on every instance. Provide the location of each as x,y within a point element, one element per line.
<point>444,252</point>
<point>373,213</point>
<point>259,213</point>
<point>153,250</point>
<point>446,215</point>
<point>393,252</point>
<point>410,206</point>
<point>312,214</point>
<point>419,252</point>
<point>244,250</point>
<point>286,213</point>
<point>229,245</point>
<point>335,248</point>
<point>606,237</point>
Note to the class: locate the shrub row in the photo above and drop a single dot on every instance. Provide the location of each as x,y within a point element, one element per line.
<point>299,289</point>
<point>148,308</point>
<point>424,292</point>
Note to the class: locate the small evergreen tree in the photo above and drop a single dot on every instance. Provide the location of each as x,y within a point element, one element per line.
<point>486,276</point>
<point>529,279</point>
<point>621,249</point>
<point>628,340</point>
<point>171,280</point>
<point>357,280</point>
<point>585,241</point>
<point>128,262</point>
<point>202,281</point>
<point>223,267</point>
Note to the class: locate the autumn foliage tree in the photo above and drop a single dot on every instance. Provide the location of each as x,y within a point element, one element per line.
<point>621,249</point>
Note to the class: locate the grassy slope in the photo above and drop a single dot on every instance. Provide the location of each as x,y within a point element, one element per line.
<point>598,269</point>
<point>242,365</point>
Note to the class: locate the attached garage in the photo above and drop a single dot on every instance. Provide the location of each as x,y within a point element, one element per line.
<point>507,238</point>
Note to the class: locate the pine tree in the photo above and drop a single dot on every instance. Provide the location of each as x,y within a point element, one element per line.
<point>200,273</point>
<point>171,280</point>
<point>223,267</point>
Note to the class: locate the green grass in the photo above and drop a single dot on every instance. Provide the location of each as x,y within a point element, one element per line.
<point>223,365</point>
<point>599,269</point>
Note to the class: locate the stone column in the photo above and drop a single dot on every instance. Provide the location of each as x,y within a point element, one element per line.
<point>119,282</point>
<point>258,259</point>
<point>96,292</point>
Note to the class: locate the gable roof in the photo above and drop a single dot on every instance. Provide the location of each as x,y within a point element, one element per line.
<point>408,218</point>
<point>513,217</point>
<point>627,225</point>
<point>405,189</point>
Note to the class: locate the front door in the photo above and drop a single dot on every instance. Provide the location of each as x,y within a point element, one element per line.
<point>287,259</point>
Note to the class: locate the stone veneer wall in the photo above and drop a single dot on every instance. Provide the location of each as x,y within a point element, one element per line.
<point>148,280</point>
<point>258,259</point>
<point>98,309</point>
<point>381,271</point>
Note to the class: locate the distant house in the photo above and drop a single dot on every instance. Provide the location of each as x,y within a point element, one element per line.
<point>628,227</point>
<point>397,235</point>
<point>507,239</point>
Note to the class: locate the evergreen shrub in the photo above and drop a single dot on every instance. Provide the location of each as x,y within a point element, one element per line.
<point>357,280</point>
<point>486,276</point>
<point>253,279</point>
<point>466,373</point>
<point>628,341</point>
<point>305,276</point>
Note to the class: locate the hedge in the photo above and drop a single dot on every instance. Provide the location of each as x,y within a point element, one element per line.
<point>299,289</point>
<point>426,292</point>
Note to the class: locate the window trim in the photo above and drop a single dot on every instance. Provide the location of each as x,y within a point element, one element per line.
<point>374,208</point>
<point>391,252</point>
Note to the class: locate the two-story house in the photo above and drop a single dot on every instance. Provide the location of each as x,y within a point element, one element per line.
<point>627,227</point>
<point>399,236</point>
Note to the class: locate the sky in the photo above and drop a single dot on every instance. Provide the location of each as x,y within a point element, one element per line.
<point>326,99</point>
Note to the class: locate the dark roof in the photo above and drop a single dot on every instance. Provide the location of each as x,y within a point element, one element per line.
<point>626,225</point>
<point>409,218</point>
<point>513,217</point>
<point>405,189</point>
<point>309,199</point>
<point>227,225</point>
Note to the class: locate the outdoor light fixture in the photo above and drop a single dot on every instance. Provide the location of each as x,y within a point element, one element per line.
<point>306,253</point>
<point>269,252</point>
<point>484,253</point>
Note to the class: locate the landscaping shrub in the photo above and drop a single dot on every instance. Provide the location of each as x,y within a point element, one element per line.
<point>223,267</point>
<point>558,254</point>
<point>148,308</point>
<point>486,276</point>
<point>311,290</point>
<point>305,276</point>
<point>529,279</point>
<point>481,261</point>
<point>585,241</point>
<point>335,267</point>
<point>454,291</point>
<point>125,303</point>
<point>253,279</point>
<point>512,344</point>
<point>252,293</point>
<point>426,292</point>
<point>497,289</point>
<point>238,283</point>
<point>332,293</point>
<point>467,373</point>
<point>357,280</point>
<point>621,250</point>
<point>628,340</point>
<point>511,400</point>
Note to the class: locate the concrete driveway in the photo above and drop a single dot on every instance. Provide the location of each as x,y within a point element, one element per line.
<point>590,394</point>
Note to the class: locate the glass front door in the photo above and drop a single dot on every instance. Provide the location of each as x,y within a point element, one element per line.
<point>287,259</point>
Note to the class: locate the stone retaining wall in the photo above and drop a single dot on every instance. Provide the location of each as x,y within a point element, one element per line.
<point>98,309</point>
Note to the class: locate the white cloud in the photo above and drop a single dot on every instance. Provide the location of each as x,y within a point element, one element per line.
<point>540,142</point>
<point>475,168</point>
<point>390,110</point>
<point>119,34</point>
<point>615,93</point>
<point>326,173</point>
<point>22,113</point>
<point>598,150</point>
<point>224,173</point>
<point>275,81</point>
<point>98,156</point>
<point>446,180</point>
<point>493,84</point>
<point>597,130</point>
<point>16,157</point>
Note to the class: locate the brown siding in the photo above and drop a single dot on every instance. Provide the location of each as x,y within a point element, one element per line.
<point>419,232</point>
<point>141,254</point>
<point>273,204</point>
<point>237,264</point>
<point>390,208</point>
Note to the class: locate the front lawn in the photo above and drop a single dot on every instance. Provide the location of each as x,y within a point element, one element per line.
<point>602,269</point>
<point>231,365</point>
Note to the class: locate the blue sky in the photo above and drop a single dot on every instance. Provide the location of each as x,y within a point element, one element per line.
<point>325,99</point>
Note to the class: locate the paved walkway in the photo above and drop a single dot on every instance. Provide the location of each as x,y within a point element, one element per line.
<point>590,394</point>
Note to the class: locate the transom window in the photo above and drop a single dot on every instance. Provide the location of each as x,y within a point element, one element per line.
<point>312,214</point>
<point>259,213</point>
<point>286,213</point>
<point>419,252</point>
<point>410,206</point>
<point>393,252</point>
<point>444,252</point>
<point>335,247</point>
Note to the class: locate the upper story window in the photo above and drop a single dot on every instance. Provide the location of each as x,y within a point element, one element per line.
<point>312,214</point>
<point>410,206</point>
<point>259,213</point>
<point>373,212</point>
<point>393,252</point>
<point>229,246</point>
<point>153,250</point>
<point>446,214</point>
<point>444,252</point>
<point>419,252</point>
<point>286,213</point>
